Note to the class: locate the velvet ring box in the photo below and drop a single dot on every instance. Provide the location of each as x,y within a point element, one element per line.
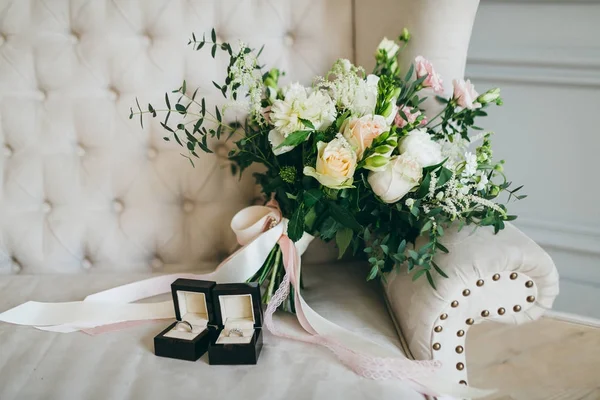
<point>193,303</point>
<point>238,316</point>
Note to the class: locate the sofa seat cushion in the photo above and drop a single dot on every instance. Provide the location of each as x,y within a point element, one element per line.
<point>122,365</point>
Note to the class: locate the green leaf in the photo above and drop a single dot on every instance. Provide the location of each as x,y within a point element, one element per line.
<point>424,188</point>
<point>344,217</point>
<point>441,247</point>
<point>296,224</point>
<point>307,123</point>
<point>219,118</point>
<point>444,176</point>
<point>439,270</point>
<point>343,237</point>
<point>213,35</point>
<point>180,108</point>
<point>310,218</point>
<point>312,196</point>
<point>430,279</point>
<point>295,138</point>
<point>418,274</point>
<point>328,228</point>
<point>373,273</point>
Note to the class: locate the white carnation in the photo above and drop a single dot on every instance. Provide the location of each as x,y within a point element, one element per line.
<point>299,103</point>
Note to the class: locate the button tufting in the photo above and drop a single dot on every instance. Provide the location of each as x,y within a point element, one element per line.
<point>113,93</point>
<point>86,263</point>
<point>74,37</point>
<point>156,263</point>
<point>2,40</point>
<point>188,206</point>
<point>80,150</point>
<point>8,151</point>
<point>145,40</point>
<point>16,267</point>
<point>288,40</point>
<point>46,207</point>
<point>42,94</point>
<point>152,153</point>
<point>117,206</point>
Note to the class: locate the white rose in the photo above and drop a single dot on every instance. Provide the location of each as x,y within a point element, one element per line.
<point>336,163</point>
<point>400,176</point>
<point>365,96</point>
<point>319,109</point>
<point>418,144</point>
<point>389,47</point>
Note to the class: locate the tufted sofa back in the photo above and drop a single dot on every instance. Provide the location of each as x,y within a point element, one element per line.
<point>83,188</point>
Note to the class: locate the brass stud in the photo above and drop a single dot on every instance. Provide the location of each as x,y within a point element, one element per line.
<point>438,329</point>
<point>463,382</point>
<point>529,284</point>
<point>514,276</point>
<point>460,333</point>
<point>443,316</point>
<point>496,277</point>
<point>460,366</point>
<point>485,313</point>
<point>517,308</point>
<point>530,299</point>
<point>480,282</point>
<point>437,346</point>
<point>454,304</point>
<point>470,321</point>
<point>459,349</point>
<point>501,311</point>
<point>466,292</point>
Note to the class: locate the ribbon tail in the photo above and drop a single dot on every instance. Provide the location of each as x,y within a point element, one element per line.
<point>363,356</point>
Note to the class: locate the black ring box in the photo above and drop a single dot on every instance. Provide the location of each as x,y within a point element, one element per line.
<point>213,310</point>
<point>240,303</point>
<point>194,296</point>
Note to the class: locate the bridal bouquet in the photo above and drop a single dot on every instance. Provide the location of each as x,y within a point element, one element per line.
<point>354,157</point>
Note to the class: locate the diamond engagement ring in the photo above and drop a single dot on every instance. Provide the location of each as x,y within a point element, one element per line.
<point>183,326</point>
<point>235,331</point>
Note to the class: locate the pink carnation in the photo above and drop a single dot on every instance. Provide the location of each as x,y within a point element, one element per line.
<point>424,68</point>
<point>400,122</point>
<point>465,94</point>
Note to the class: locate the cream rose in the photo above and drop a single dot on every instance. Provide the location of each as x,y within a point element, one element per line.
<point>400,176</point>
<point>418,144</point>
<point>336,162</point>
<point>360,132</point>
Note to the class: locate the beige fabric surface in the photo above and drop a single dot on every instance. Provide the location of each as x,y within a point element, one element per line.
<point>121,365</point>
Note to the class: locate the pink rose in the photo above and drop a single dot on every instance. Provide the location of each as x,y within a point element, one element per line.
<point>412,117</point>
<point>424,68</point>
<point>465,94</point>
<point>360,132</point>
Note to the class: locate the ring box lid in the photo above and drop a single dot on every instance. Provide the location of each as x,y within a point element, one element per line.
<point>193,301</point>
<point>239,302</point>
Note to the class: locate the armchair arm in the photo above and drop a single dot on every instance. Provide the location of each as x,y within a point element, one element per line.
<point>505,277</point>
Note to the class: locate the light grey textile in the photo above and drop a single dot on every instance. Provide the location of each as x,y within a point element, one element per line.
<point>121,365</point>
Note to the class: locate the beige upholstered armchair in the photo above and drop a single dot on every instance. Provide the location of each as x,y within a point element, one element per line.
<point>88,200</point>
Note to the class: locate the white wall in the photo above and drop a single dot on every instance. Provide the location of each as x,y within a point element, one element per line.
<point>545,55</point>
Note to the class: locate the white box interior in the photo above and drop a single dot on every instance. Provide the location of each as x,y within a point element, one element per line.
<point>193,309</point>
<point>237,311</point>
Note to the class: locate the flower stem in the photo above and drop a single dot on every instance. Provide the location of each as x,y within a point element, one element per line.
<point>272,280</point>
